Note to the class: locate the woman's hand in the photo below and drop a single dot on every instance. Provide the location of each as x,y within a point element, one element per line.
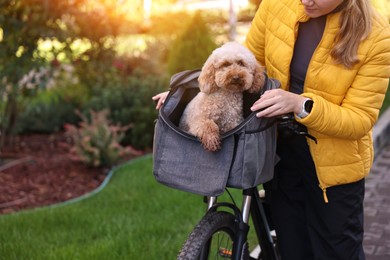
<point>278,102</point>
<point>160,99</point>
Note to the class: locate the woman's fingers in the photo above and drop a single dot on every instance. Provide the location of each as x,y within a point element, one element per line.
<point>160,98</point>
<point>277,102</point>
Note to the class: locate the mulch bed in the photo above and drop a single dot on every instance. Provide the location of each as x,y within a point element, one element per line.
<point>37,170</point>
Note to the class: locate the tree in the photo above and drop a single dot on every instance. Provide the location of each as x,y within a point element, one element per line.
<point>24,23</point>
<point>191,49</point>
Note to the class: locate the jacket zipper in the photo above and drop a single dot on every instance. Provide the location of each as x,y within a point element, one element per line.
<point>304,87</point>
<point>324,193</point>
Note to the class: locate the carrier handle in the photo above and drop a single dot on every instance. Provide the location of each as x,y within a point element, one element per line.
<point>183,78</point>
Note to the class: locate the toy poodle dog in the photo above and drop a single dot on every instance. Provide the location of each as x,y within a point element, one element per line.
<point>229,71</point>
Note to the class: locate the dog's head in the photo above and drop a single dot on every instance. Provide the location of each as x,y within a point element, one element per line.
<point>231,67</point>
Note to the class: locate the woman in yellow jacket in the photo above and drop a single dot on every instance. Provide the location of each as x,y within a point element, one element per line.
<point>332,58</point>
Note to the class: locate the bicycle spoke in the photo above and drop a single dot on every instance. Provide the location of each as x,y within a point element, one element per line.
<point>222,248</point>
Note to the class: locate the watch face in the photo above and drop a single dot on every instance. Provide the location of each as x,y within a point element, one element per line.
<point>308,105</point>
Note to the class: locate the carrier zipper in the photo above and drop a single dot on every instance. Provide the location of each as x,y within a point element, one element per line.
<point>324,193</point>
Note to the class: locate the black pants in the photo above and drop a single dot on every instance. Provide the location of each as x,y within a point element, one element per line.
<point>306,226</point>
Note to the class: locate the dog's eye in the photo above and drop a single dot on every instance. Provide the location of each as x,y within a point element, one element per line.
<point>226,64</point>
<point>241,63</point>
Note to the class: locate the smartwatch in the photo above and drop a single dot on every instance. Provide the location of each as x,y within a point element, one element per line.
<point>306,108</point>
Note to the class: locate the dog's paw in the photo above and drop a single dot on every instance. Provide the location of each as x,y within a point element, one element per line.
<point>208,134</point>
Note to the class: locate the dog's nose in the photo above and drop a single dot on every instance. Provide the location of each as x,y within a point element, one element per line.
<point>236,79</point>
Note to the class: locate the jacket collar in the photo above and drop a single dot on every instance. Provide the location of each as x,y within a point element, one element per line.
<point>301,14</point>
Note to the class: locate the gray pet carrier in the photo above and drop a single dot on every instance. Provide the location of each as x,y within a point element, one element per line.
<point>246,159</point>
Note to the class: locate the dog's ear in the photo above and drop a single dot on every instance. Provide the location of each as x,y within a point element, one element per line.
<point>207,78</point>
<point>258,79</point>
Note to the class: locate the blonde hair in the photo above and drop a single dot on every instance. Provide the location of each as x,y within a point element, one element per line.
<point>355,26</point>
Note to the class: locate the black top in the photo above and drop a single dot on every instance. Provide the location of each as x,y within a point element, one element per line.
<point>309,35</point>
<point>295,148</point>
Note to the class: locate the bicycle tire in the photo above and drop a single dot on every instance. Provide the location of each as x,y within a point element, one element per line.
<point>210,225</point>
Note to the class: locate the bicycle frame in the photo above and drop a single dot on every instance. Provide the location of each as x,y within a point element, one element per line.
<point>251,206</point>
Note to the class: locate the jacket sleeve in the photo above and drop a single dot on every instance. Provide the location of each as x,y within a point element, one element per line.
<point>358,112</point>
<point>255,39</point>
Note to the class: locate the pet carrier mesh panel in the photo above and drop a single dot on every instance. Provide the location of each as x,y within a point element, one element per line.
<point>247,156</point>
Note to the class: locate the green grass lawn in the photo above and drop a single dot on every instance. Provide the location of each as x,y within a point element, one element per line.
<point>133,217</point>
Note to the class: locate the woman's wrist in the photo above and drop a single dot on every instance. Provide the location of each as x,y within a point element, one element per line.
<point>300,102</point>
<point>305,109</point>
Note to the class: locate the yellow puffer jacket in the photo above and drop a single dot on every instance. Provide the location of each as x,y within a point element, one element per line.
<point>346,101</point>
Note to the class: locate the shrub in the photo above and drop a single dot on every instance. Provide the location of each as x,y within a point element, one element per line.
<point>131,102</point>
<point>51,109</point>
<point>97,141</point>
<point>128,98</point>
<point>191,49</point>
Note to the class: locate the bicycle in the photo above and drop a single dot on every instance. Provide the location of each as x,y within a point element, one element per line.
<point>201,243</point>
<point>240,164</point>
<point>222,234</point>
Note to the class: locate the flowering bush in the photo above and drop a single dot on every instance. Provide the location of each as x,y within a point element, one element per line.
<point>15,98</point>
<point>45,77</point>
<point>96,142</point>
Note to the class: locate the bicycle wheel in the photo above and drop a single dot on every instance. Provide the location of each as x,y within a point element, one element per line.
<point>212,238</point>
